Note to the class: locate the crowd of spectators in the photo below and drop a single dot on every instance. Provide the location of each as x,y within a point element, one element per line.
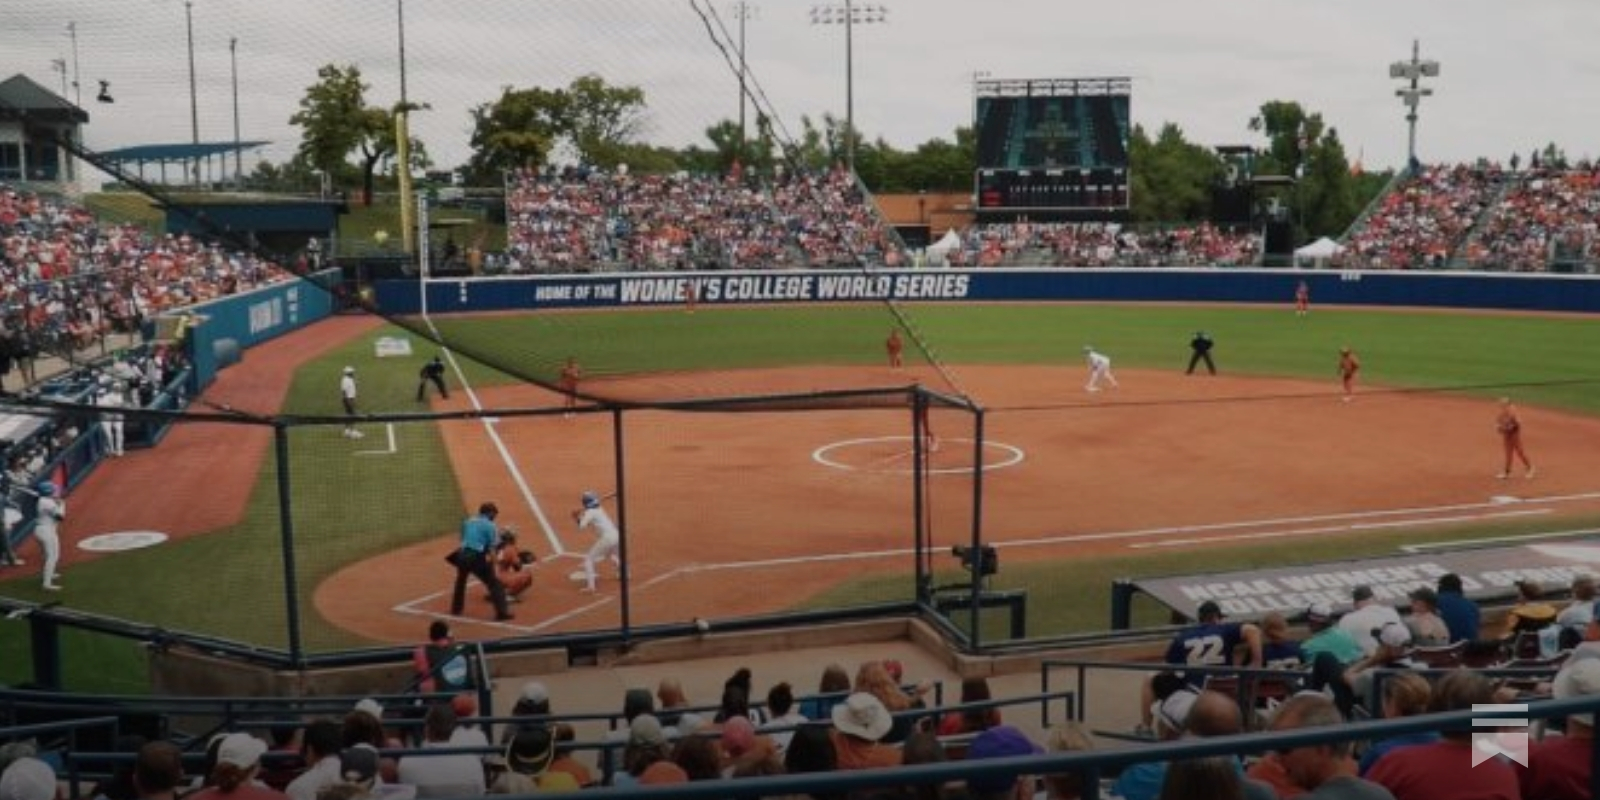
<point>1420,223</point>
<point>583,219</point>
<point>67,278</point>
<point>1096,244</point>
<point>1545,214</point>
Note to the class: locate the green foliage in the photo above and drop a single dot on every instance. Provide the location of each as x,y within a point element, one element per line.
<point>335,121</point>
<point>1299,144</point>
<point>600,121</point>
<point>1172,178</point>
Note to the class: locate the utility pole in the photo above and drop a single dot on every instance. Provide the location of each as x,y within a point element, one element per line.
<point>233,61</point>
<point>402,144</point>
<point>194,97</point>
<point>743,12</point>
<point>77,88</point>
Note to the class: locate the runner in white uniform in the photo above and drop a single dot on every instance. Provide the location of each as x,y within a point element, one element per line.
<point>1099,367</point>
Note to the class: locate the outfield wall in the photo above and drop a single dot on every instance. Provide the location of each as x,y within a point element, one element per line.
<point>1529,292</point>
<point>256,316</point>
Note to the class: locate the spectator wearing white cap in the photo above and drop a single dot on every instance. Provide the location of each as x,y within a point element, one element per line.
<point>1575,618</point>
<point>28,779</point>
<point>1186,713</point>
<point>234,776</point>
<point>1559,766</point>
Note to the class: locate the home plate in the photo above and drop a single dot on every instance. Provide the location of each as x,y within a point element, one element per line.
<point>578,575</point>
<point>1504,499</point>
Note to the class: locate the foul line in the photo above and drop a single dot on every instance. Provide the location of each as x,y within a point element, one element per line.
<point>392,448</point>
<point>500,446</point>
<point>1567,534</point>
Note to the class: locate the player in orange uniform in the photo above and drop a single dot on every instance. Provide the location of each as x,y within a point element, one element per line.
<point>570,375</point>
<point>1302,299</point>
<point>1510,427</point>
<point>691,295</point>
<point>893,345</point>
<point>1349,365</point>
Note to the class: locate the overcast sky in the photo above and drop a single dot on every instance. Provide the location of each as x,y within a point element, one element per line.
<point>1515,75</point>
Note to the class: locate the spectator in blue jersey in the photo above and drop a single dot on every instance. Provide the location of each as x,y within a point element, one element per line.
<point>1460,614</point>
<point>1211,643</point>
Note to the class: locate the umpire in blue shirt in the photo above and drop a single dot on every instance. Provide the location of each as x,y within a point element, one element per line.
<point>478,538</point>
<point>1200,346</point>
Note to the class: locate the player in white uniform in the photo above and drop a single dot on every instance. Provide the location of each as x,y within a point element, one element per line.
<point>1099,367</point>
<point>52,511</point>
<point>606,545</point>
<point>112,395</point>
<point>347,394</point>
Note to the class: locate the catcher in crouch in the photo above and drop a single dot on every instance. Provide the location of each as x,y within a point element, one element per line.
<point>512,565</point>
<point>605,546</point>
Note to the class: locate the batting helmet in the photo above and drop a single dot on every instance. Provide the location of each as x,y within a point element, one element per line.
<point>591,499</point>
<point>349,370</point>
<point>47,489</point>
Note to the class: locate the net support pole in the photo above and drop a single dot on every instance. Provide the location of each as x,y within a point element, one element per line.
<point>919,522</point>
<point>291,592</point>
<point>977,529</point>
<point>617,451</point>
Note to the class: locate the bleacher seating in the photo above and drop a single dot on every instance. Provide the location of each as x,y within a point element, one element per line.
<point>1075,244</point>
<point>582,220</point>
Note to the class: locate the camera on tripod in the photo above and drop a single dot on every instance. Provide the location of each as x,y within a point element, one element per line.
<point>982,561</point>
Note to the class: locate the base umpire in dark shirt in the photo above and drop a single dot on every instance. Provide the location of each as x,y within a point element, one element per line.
<point>1201,345</point>
<point>432,371</point>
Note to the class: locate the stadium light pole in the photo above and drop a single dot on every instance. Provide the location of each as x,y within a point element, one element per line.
<point>77,88</point>
<point>194,97</point>
<point>233,68</point>
<point>850,15</point>
<point>1413,71</point>
<point>744,12</point>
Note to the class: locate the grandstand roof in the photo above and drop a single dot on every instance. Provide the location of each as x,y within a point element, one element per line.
<point>20,93</point>
<point>184,151</point>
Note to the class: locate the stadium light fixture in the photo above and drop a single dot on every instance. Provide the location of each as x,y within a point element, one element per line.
<point>1411,95</point>
<point>849,15</point>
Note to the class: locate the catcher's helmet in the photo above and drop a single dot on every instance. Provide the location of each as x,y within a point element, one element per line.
<point>591,499</point>
<point>47,489</point>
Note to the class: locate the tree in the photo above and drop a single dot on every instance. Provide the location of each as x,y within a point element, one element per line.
<point>601,120</point>
<point>516,131</point>
<point>1301,145</point>
<point>336,120</point>
<point>1171,178</point>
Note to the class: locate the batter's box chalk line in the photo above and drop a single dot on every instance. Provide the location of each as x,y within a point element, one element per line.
<point>828,456</point>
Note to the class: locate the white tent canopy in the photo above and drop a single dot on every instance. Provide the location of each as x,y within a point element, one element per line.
<point>938,253</point>
<point>1319,250</point>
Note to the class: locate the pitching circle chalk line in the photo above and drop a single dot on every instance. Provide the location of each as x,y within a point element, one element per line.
<point>1014,456</point>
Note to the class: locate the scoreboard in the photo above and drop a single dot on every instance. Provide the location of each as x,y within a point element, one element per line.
<point>1052,145</point>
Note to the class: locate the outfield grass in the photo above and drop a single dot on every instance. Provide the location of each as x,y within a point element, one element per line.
<point>1397,348</point>
<point>350,509</point>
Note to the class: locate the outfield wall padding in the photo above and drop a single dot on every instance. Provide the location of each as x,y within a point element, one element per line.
<point>253,317</point>
<point>1510,291</point>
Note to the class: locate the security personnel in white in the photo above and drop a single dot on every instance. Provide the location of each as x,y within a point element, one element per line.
<point>112,395</point>
<point>347,395</point>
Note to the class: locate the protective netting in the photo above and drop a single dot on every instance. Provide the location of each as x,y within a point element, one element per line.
<point>563,138</point>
